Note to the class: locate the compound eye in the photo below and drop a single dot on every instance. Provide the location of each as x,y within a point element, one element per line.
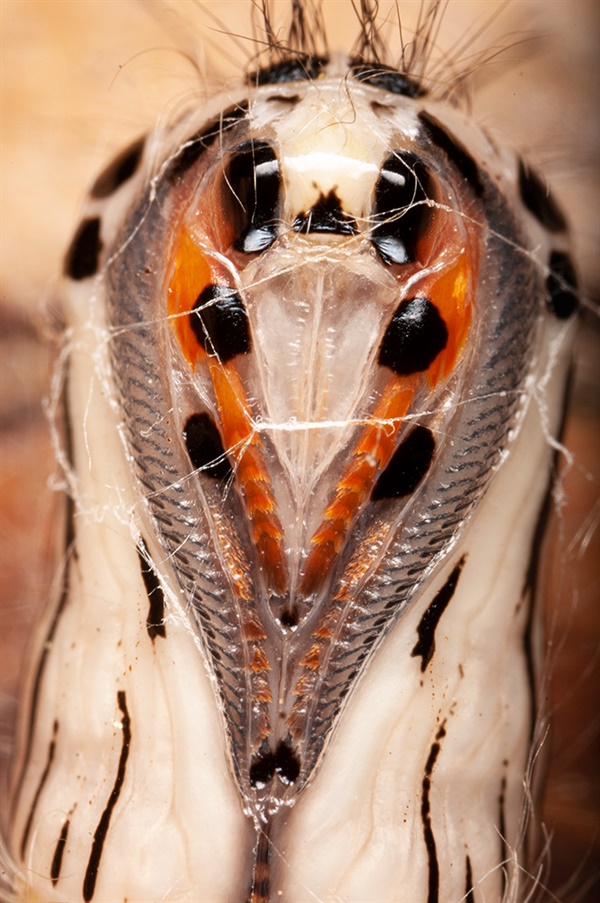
<point>253,182</point>
<point>401,212</point>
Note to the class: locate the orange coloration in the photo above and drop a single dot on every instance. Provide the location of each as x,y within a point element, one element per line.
<point>191,274</point>
<point>371,455</point>
<point>260,661</point>
<point>452,295</point>
<point>312,659</point>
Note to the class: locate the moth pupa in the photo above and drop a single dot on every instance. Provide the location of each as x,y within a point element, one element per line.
<point>318,330</point>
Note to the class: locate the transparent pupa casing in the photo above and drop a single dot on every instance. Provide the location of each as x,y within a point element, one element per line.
<point>310,478</point>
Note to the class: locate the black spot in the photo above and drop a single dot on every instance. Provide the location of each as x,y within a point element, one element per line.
<point>155,622</point>
<point>415,336</point>
<point>58,853</point>
<point>289,617</point>
<point>561,286</point>
<point>287,764</point>
<point>539,201</point>
<point>407,467</point>
<point>426,629</point>
<point>205,447</point>
<point>119,171</point>
<point>291,99</point>
<point>386,78</point>
<point>83,255</point>
<point>300,69</point>
<point>220,322</point>
<point>456,152</point>
<point>252,185</point>
<point>284,762</point>
<point>326,216</point>
<point>262,768</point>
<point>194,147</point>
<point>91,872</point>
<point>401,213</point>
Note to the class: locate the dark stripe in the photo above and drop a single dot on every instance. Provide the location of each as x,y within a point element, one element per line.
<point>561,286</point>
<point>155,622</point>
<point>425,646</point>
<point>454,150</point>
<point>119,170</point>
<point>530,582</point>
<point>91,872</point>
<point>433,866</point>
<point>70,549</point>
<point>260,889</point>
<point>386,78</point>
<point>502,833</point>
<point>538,200</point>
<point>469,895</point>
<point>299,69</point>
<point>58,853</point>
<point>83,256</point>
<point>195,146</point>
<point>40,787</point>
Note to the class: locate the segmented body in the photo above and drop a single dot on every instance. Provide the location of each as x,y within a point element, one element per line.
<point>299,394</point>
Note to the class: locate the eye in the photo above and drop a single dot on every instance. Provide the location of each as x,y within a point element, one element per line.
<point>252,182</point>
<point>401,213</point>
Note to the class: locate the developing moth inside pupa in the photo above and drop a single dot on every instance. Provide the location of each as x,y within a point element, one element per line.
<point>303,483</point>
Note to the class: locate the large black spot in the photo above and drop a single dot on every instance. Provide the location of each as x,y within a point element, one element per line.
<point>220,322</point>
<point>83,255</point>
<point>415,336</point>
<point>262,768</point>
<point>401,213</point>
<point>252,184</point>
<point>326,216</point>
<point>284,762</point>
<point>119,171</point>
<point>386,78</point>
<point>454,150</point>
<point>287,764</point>
<point>205,447</point>
<point>195,146</point>
<point>407,467</point>
<point>300,69</point>
<point>539,201</point>
<point>561,286</point>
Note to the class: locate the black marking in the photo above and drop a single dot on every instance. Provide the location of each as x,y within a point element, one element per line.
<point>155,622</point>
<point>119,170</point>
<point>530,583</point>
<point>194,147</point>
<point>401,212</point>
<point>84,251</point>
<point>289,617</point>
<point>414,337</point>
<point>456,152</point>
<point>220,322</point>
<point>40,787</point>
<point>538,200</point>
<point>301,68</point>
<point>59,853</point>
<point>205,447</point>
<point>291,99</point>
<point>433,866</point>
<point>386,78</point>
<point>425,646</point>
<point>266,764</point>
<point>561,286</point>
<point>252,185</point>
<point>91,872</point>
<point>469,895</point>
<point>70,549</point>
<point>407,466</point>
<point>502,834</point>
<point>260,888</point>
<point>326,216</point>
